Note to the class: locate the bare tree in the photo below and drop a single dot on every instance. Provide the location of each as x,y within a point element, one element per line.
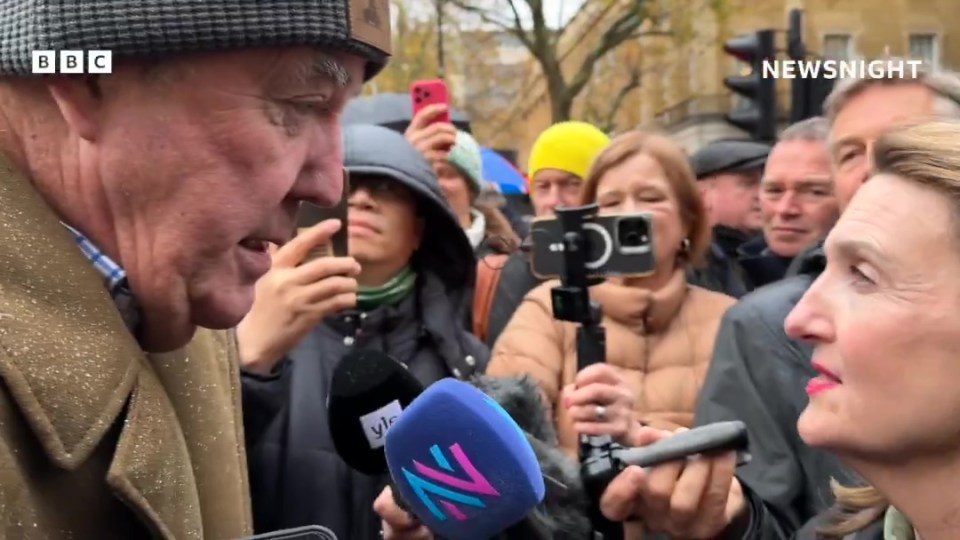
<point>605,117</point>
<point>618,22</point>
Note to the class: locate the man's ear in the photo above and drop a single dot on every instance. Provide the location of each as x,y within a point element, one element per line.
<point>80,103</point>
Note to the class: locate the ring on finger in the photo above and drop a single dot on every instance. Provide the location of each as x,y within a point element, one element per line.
<point>600,412</point>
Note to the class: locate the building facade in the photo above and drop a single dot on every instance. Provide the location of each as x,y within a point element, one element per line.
<point>681,89</point>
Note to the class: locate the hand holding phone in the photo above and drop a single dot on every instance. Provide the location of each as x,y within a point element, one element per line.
<point>431,131</point>
<point>431,93</point>
<point>310,214</point>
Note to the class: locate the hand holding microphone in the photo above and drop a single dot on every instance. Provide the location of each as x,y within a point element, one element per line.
<point>461,464</point>
<point>397,523</point>
<point>675,485</point>
<point>294,296</point>
<point>601,402</point>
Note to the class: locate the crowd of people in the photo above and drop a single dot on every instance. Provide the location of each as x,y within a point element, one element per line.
<point>167,341</point>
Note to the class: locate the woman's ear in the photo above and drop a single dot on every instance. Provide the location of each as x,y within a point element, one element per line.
<point>80,103</point>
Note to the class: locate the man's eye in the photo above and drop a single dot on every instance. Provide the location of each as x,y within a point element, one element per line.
<point>312,106</point>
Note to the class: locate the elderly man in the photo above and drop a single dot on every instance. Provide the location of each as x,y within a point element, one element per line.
<point>758,374</point>
<point>728,174</point>
<point>796,202</point>
<point>137,207</point>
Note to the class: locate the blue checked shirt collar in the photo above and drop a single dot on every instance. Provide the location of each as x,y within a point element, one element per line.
<point>115,278</point>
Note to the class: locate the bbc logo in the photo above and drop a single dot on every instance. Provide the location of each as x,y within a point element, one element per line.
<point>72,62</point>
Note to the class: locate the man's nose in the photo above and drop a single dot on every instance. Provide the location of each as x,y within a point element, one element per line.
<point>322,177</point>
<point>550,199</point>
<point>788,206</point>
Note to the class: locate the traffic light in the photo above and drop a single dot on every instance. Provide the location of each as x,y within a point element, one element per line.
<point>759,116</point>
<point>806,95</point>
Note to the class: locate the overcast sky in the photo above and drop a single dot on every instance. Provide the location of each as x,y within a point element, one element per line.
<point>558,12</point>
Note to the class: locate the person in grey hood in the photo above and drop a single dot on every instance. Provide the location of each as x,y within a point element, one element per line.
<point>397,293</point>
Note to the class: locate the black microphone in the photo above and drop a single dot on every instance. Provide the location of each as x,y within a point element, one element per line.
<point>602,466</point>
<point>368,391</point>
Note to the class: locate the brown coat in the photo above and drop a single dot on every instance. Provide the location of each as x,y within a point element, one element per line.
<point>97,439</point>
<point>662,343</point>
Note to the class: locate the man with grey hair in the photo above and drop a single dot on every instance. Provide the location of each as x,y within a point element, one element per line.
<point>758,374</point>
<point>797,204</point>
<point>136,207</point>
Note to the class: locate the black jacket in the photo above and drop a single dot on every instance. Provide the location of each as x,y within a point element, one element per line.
<point>296,476</point>
<point>760,265</point>
<point>722,273</point>
<point>758,375</point>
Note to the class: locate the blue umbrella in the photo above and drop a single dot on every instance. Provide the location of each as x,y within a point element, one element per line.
<point>501,172</point>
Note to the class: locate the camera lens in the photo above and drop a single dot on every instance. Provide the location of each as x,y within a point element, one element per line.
<point>632,232</point>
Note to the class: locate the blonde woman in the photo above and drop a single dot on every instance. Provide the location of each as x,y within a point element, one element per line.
<point>884,319</point>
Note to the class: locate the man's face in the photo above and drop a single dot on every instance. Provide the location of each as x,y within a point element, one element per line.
<point>796,196</point>
<point>204,164</point>
<point>733,201</point>
<point>862,120</point>
<point>551,189</point>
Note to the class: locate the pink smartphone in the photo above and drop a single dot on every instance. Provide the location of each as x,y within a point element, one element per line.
<point>425,93</point>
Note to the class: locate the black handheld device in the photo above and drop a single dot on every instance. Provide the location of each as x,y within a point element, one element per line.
<point>310,214</point>
<point>604,464</point>
<point>617,245</point>
<point>309,532</point>
<point>571,302</point>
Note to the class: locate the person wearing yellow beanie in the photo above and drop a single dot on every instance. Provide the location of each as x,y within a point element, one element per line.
<point>559,161</point>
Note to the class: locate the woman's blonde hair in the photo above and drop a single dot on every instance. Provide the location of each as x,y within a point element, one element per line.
<point>927,154</point>
<point>676,165</point>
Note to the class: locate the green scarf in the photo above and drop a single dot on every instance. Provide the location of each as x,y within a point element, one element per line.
<point>389,293</point>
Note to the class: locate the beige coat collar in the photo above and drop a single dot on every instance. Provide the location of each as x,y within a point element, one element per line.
<point>72,366</point>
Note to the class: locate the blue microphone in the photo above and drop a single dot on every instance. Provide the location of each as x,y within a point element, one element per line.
<point>461,464</point>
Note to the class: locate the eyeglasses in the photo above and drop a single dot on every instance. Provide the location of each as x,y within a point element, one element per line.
<point>378,187</point>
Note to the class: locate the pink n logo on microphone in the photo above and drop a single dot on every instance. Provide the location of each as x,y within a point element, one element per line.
<point>450,489</point>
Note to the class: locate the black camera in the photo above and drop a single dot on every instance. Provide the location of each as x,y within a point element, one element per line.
<point>615,244</point>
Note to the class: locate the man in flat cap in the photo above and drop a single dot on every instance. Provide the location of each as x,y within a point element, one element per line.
<point>136,207</point>
<point>728,173</point>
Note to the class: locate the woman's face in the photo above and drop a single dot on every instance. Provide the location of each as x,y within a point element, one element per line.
<point>382,222</point>
<point>640,185</point>
<point>884,318</point>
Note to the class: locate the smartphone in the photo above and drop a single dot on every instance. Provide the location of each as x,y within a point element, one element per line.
<point>310,214</point>
<point>621,245</point>
<point>426,93</point>
<point>309,532</point>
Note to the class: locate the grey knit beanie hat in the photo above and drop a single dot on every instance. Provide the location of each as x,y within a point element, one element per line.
<point>152,28</point>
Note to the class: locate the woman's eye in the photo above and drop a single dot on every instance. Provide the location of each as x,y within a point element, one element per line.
<point>859,275</point>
